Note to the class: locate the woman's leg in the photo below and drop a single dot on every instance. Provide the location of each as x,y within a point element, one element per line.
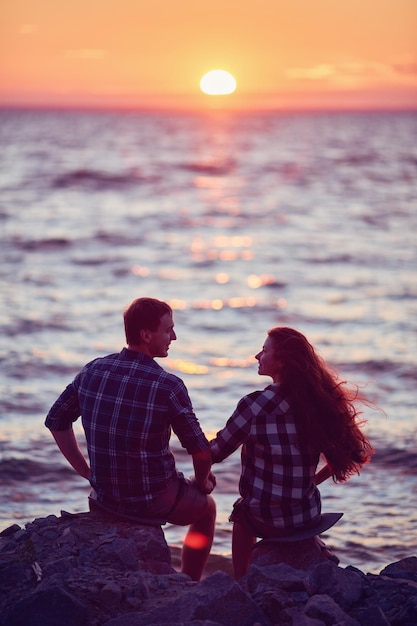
<point>242,545</point>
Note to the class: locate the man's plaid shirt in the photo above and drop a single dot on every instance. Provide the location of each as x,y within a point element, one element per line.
<point>129,405</point>
<point>277,475</point>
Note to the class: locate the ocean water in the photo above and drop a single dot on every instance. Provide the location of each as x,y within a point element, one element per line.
<point>241,222</point>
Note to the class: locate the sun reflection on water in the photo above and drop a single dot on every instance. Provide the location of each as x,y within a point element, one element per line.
<point>186,367</point>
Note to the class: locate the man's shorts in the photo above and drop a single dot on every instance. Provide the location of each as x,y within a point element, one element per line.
<point>182,503</point>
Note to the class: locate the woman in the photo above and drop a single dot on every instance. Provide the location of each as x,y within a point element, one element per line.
<point>283,431</point>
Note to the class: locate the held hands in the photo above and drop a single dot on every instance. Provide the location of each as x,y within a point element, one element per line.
<point>209,484</point>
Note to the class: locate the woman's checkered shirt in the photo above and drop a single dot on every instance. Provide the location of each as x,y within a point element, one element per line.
<point>277,473</point>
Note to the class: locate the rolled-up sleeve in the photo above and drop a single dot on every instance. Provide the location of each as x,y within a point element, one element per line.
<point>235,432</point>
<point>185,423</point>
<point>65,411</point>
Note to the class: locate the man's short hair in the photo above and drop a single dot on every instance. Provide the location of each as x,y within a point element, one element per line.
<point>143,314</point>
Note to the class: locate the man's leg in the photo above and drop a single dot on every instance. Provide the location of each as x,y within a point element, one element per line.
<point>198,542</point>
<point>242,545</point>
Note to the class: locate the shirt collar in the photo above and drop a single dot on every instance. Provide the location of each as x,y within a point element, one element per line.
<point>134,355</point>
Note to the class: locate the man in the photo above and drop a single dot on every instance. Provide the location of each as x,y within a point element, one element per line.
<point>128,405</point>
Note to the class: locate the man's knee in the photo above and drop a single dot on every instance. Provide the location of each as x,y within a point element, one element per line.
<point>208,513</point>
<point>211,507</point>
<point>193,507</point>
<point>206,523</point>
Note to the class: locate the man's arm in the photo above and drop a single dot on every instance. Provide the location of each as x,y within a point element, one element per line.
<point>204,479</point>
<point>69,447</point>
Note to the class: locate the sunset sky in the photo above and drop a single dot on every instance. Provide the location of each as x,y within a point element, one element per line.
<point>283,54</point>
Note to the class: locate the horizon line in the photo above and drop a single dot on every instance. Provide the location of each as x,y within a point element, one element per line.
<point>137,108</point>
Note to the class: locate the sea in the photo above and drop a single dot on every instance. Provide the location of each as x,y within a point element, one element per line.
<point>242,222</point>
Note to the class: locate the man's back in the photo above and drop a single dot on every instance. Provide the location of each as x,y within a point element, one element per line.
<point>128,405</point>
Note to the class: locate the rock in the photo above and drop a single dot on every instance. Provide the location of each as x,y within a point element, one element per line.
<point>299,554</point>
<point>396,598</point>
<point>272,603</point>
<point>88,570</point>
<point>280,576</point>
<point>47,607</point>
<point>370,616</point>
<point>82,560</point>
<point>110,594</point>
<point>10,530</point>
<point>323,607</point>
<point>344,586</point>
<point>217,599</point>
<point>405,569</point>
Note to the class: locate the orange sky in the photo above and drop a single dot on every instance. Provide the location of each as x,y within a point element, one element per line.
<point>152,53</point>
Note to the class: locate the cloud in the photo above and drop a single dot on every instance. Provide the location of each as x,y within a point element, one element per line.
<point>85,53</point>
<point>345,72</point>
<point>311,73</point>
<point>405,68</point>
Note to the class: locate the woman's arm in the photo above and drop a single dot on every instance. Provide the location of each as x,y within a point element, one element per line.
<point>235,432</point>
<point>323,474</point>
<point>68,445</point>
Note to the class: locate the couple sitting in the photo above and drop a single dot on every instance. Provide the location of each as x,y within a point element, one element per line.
<point>129,404</point>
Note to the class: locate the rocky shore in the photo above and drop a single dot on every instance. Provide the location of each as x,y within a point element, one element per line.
<point>86,570</point>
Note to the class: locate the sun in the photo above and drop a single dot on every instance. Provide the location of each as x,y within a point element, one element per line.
<point>217,83</point>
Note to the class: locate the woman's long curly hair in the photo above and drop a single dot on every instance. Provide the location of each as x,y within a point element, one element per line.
<point>324,407</point>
